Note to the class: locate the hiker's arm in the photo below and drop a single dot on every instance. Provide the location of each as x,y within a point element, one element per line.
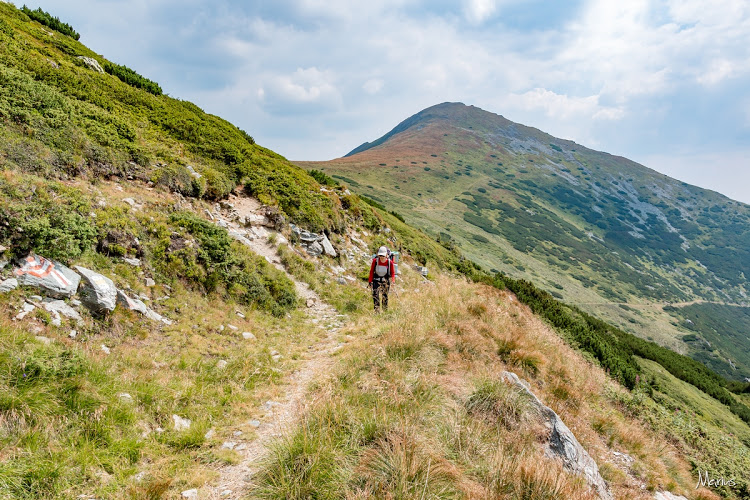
<point>372,270</point>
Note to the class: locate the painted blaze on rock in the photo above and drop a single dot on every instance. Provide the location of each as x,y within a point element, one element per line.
<point>52,277</point>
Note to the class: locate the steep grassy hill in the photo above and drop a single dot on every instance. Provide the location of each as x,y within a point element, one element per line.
<point>99,169</point>
<point>598,230</point>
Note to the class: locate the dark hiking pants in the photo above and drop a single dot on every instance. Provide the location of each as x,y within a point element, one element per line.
<point>380,289</point>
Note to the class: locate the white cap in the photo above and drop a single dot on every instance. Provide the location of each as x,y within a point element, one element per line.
<point>382,251</point>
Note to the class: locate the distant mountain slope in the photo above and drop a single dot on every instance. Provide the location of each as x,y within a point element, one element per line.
<point>598,229</point>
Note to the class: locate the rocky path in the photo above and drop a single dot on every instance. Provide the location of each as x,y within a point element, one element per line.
<point>280,415</point>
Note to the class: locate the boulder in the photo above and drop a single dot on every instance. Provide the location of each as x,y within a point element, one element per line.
<point>327,247</point>
<point>60,307</point>
<point>92,63</point>
<point>52,277</point>
<point>138,306</point>
<point>315,249</point>
<point>307,237</point>
<point>98,292</point>
<point>562,443</point>
<point>8,285</point>
<point>131,304</point>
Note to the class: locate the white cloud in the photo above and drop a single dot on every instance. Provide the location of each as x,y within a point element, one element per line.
<point>373,86</point>
<point>719,71</point>
<point>302,91</point>
<point>564,107</point>
<point>478,11</point>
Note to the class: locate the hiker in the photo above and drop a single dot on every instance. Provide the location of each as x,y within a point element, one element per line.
<point>382,274</point>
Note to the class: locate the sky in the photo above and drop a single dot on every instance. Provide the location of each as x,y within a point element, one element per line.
<point>664,83</point>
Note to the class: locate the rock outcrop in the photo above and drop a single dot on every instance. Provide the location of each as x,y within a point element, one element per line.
<point>55,279</point>
<point>562,443</point>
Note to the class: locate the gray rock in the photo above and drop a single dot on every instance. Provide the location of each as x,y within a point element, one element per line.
<point>105,349</point>
<point>422,270</point>
<point>60,307</point>
<point>73,334</point>
<point>315,249</point>
<point>228,445</point>
<point>221,364</point>
<point>52,277</point>
<point>98,292</point>
<point>248,336</point>
<point>327,247</point>
<point>307,237</point>
<point>193,172</point>
<point>254,423</point>
<point>3,263</point>
<point>666,495</point>
<point>92,63</point>
<point>25,310</point>
<point>2,249</point>
<point>563,444</point>
<point>210,215</point>
<point>190,494</point>
<point>240,236</point>
<point>56,319</point>
<point>150,282</point>
<point>130,304</point>
<point>210,434</point>
<point>8,285</point>
<point>132,261</point>
<point>181,424</point>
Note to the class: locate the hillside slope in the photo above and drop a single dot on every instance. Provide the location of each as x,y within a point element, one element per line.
<point>598,230</point>
<point>240,319</point>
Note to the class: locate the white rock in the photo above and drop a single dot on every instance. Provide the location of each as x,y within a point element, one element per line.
<point>240,315</point>
<point>254,423</point>
<point>73,334</point>
<point>105,349</point>
<point>8,285</point>
<point>221,328</point>
<point>150,282</point>
<point>327,247</point>
<point>27,308</point>
<point>241,447</point>
<point>226,493</point>
<point>210,434</point>
<point>221,364</point>
<point>43,340</point>
<point>126,398</point>
<point>190,494</point>
<point>181,424</point>
<point>132,261</point>
<point>229,445</point>
<point>59,306</point>
<point>56,319</point>
<point>233,328</point>
<point>92,63</point>
<point>129,201</point>
<point>248,336</point>
<point>97,292</point>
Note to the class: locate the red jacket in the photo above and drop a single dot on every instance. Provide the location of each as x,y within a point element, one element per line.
<point>391,271</point>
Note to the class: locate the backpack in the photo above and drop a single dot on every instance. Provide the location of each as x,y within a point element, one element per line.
<point>393,257</point>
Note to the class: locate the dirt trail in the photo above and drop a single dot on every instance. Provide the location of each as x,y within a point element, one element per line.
<point>282,414</point>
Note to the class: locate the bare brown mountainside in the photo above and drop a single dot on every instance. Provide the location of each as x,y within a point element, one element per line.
<point>596,229</point>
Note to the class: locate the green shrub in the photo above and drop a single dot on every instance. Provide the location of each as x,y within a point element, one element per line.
<point>132,78</point>
<point>51,22</point>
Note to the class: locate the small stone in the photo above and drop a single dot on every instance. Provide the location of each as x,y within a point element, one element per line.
<point>36,298</point>
<point>310,302</point>
<point>43,340</point>
<point>140,477</point>
<point>248,336</point>
<point>274,353</point>
<point>73,334</point>
<point>277,357</point>
<point>126,398</point>
<point>27,308</point>
<point>132,261</point>
<point>228,445</point>
<point>181,424</point>
<point>237,433</point>
<point>129,201</point>
<point>56,319</point>
<point>190,494</point>
<point>221,328</point>
<point>210,215</point>
<point>210,434</point>
<point>75,302</point>
<point>254,423</point>
<point>233,328</point>
<point>159,430</point>
<point>221,364</point>
<point>8,285</point>
<point>105,349</point>
<point>241,447</point>
<point>240,315</point>
<point>226,493</point>
<point>150,282</point>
